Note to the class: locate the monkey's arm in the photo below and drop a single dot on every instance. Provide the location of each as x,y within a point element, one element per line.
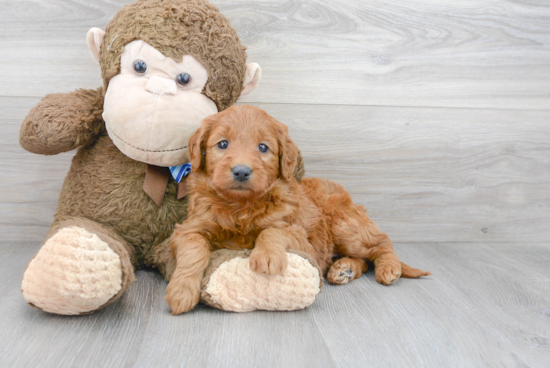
<point>63,121</point>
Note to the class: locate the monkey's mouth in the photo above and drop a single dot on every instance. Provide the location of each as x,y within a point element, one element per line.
<point>157,156</point>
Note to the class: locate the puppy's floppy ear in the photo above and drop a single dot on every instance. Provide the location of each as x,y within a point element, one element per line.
<point>288,151</point>
<point>197,143</point>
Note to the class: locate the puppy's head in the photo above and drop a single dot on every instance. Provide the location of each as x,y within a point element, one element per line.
<point>244,151</point>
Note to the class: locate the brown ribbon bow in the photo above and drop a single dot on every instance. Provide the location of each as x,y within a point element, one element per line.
<point>156,181</point>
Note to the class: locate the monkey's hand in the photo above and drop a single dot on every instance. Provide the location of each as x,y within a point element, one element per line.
<point>63,121</point>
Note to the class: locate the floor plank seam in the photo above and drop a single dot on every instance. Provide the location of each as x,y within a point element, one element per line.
<point>350,105</point>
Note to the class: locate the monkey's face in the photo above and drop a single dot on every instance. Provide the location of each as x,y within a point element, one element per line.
<point>154,105</point>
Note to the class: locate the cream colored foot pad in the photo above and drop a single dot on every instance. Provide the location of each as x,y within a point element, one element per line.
<point>75,272</point>
<point>234,287</point>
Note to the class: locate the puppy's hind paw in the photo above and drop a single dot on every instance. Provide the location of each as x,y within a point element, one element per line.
<point>340,277</point>
<point>345,270</point>
<point>387,273</point>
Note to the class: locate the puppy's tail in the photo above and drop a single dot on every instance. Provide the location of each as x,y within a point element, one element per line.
<point>412,273</point>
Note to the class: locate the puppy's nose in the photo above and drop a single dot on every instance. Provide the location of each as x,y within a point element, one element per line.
<point>241,172</point>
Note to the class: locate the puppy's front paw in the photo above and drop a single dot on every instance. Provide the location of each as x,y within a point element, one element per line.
<point>387,273</point>
<point>182,294</point>
<point>271,261</point>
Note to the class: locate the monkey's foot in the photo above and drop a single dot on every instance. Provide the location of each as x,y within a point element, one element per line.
<point>75,272</point>
<point>231,285</point>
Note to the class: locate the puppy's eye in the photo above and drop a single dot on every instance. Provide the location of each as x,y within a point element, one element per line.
<point>140,67</point>
<point>223,145</point>
<point>183,79</point>
<point>263,148</point>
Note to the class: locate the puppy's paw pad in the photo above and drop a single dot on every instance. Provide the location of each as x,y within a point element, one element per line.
<point>340,274</point>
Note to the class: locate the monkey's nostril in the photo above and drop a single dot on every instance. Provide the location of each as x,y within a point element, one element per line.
<point>241,172</point>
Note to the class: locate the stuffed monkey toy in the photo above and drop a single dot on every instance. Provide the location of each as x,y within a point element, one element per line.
<point>166,65</point>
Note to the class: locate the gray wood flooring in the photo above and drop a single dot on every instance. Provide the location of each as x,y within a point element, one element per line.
<point>434,114</point>
<point>487,305</point>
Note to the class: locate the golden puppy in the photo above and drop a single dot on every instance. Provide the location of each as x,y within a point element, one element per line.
<point>243,195</point>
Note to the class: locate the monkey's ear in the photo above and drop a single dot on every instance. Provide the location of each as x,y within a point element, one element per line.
<point>197,143</point>
<point>252,77</point>
<point>94,38</point>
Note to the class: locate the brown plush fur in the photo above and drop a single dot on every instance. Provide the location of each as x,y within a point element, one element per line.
<point>178,28</point>
<point>270,212</point>
<point>113,196</point>
<point>64,121</point>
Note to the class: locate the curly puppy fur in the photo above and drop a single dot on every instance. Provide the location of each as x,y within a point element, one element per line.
<point>268,211</point>
<point>200,30</point>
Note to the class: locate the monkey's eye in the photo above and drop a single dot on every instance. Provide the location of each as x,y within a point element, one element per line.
<point>223,145</point>
<point>183,79</point>
<point>263,148</point>
<point>140,67</point>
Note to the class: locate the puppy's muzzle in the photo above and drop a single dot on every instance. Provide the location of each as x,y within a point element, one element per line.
<point>241,173</point>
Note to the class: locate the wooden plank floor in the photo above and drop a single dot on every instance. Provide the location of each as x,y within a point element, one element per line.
<point>484,307</point>
<point>433,114</point>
